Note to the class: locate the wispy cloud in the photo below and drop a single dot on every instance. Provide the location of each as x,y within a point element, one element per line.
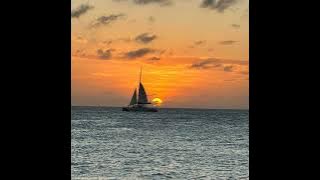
<point>138,53</point>
<point>79,53</point>
<point>145,38</point>
<point>206,64</point>
<point>153,59</point>
<point>235,25</point>
<point>228,68</point>
<point>225,65</point>
<point>145,2</point>
<point>160,2</point>
<point>79,11</point>
<point>80,39</point>
<point>229,42</point>
<point>218,5</point>
<point>107,42</point>
<point>198,43</point>
<point>151,19</point>
<point>104,54</point>
<point>106,20</point>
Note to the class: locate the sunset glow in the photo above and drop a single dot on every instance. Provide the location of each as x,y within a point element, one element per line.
<point>191,56</point>
<point>157,101</point>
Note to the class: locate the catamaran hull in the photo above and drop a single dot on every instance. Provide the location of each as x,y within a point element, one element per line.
<point>139,109</point>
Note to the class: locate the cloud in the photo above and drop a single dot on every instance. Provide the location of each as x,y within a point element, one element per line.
<point>160,2</point>
<point>145,38</point>
<point>105,54</point>
<point>107,42</point>
<point>106,20</point>
<point>198,43</point>
<point>235,25</point>
<point>153,59</point>
<point>206,64</point>
<point>82,9</point>
<point>229,42</point>
<point>228,68</point>
<point>80,39</point>
<point>138,53</point>
<point>218,5</point>
<point>80,53</point>
<point>225,65</point>
<point>151,19</point>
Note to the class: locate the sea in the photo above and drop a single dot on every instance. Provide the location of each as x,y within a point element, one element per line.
<point>108,143</point>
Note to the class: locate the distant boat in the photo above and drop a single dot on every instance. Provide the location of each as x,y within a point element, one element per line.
<point>141,102</point>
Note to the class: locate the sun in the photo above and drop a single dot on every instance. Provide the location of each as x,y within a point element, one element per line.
<point>157,101</point>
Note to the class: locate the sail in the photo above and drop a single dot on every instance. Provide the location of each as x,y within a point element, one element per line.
<point>134,98</point>
<point>142,99</point>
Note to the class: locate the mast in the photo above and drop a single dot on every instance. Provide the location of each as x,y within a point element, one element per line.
<point>140,75</point>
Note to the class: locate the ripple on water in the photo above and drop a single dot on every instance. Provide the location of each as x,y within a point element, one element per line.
<point>170,144</point>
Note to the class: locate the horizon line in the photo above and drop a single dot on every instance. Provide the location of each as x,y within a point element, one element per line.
<point>164,107</point>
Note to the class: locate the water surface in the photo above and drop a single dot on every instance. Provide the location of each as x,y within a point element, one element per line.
<point>108,143</point>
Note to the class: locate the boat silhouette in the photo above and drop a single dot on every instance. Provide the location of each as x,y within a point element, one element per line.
<point>140,102</point>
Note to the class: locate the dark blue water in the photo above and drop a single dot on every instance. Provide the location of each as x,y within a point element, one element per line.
<point>108,143</point>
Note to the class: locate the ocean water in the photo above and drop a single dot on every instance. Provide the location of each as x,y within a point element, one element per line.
<point>108,143</point>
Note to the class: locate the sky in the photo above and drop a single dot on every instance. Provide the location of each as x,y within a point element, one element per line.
<point>194,53</point>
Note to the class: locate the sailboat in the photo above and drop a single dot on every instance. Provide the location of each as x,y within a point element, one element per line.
<point>141,102</point>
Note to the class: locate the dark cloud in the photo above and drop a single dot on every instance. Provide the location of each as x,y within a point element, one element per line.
<point>105,54</point>
<point>228,68</point>
<point>153,59</point>
<point>225,65</point>
<point>198,43</point>
<point>145,2</point>
<point>107,42</point>
<point>138,53</point>
<point>80,52</point>
<point>229,42</point>
<point>106,20</point>
<point>235,25</point>
<point>160,2</point>
<point>151,19</point>
<point>218,5</point>
<point>145,38</point>
<point>206,64</point>
<point>82,9</point>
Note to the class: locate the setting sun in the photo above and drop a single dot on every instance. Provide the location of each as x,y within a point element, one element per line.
<point>157,101</point>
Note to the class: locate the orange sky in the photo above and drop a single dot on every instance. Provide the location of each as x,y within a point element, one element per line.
<point>192,56</point>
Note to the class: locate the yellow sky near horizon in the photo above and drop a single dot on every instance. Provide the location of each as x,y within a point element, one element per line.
<point>200,55</point>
